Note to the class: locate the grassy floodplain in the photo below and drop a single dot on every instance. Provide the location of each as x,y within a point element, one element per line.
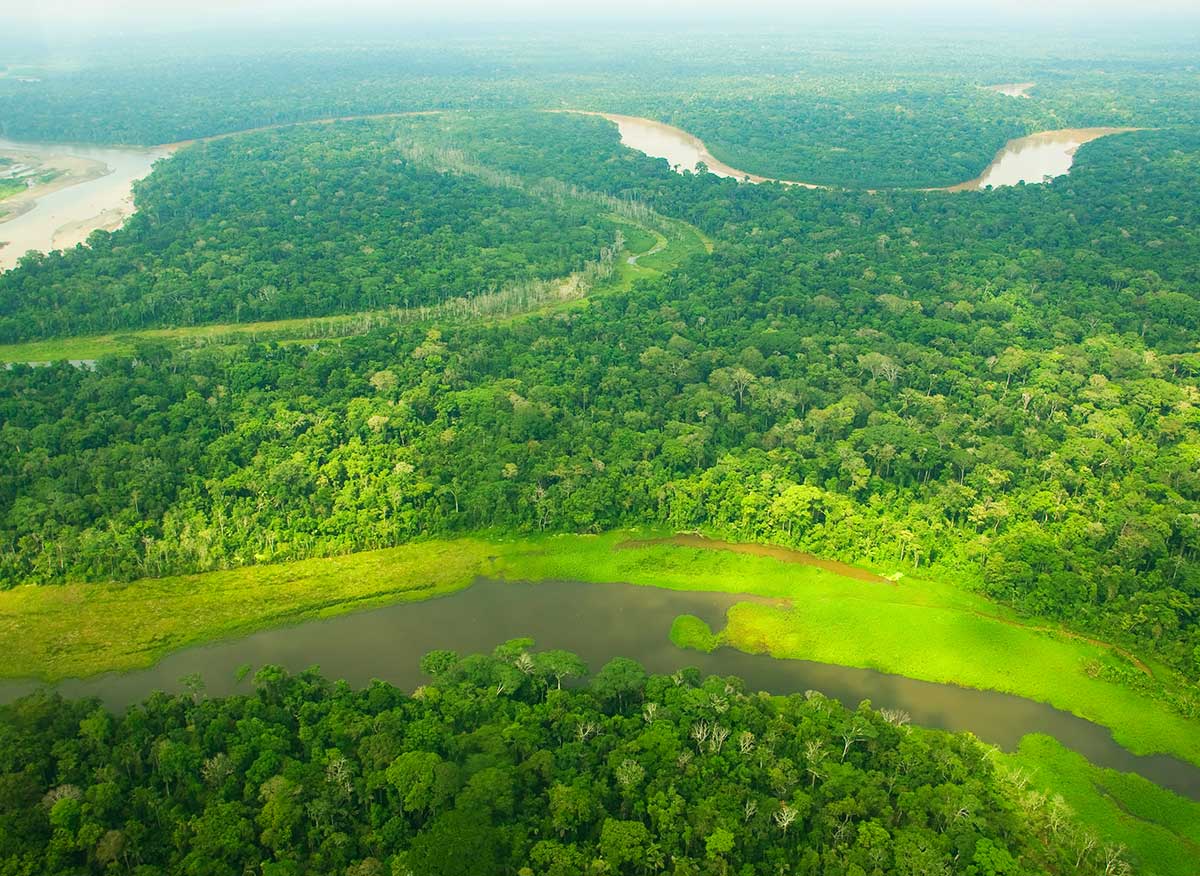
<point>84,629</point>
<point>648,252</point>
<point>1160,830</point>
<point>922,629</point>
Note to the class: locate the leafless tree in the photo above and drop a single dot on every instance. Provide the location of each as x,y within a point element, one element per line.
<point>746,742</point>
<point>216,769</point>
<point>851,735</point>
<point>337,773</point>
<point>629,773</point>
<point>1085,845</point>
<point>785,816</point>
<point>1115,863</point>
<point>814,756</point>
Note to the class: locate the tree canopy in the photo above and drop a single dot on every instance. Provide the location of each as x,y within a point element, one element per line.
<point>677,774</point>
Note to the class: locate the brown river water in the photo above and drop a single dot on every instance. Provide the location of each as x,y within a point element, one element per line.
<point>599,622</point>
<point>65,215</point>
<point>1031,159</point>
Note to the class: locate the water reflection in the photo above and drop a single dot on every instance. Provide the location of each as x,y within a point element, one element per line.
<point>598,622</point>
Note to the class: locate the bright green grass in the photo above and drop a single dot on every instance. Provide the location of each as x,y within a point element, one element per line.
<point>638,238</point>
<point>689,631</point>
<point>947,645</point>
<point>98,346</point>
<point>683,240</point>
<point>1161,830</point>
<point>84,629</point>
<point>920,629</point>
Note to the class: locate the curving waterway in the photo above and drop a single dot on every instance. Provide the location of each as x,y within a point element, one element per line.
<point>63,216</point>
<point>599,622</point>
<point>100,196</point>
<point>1036,158</point>
<point>1031,159</point>
<point>682,150</point>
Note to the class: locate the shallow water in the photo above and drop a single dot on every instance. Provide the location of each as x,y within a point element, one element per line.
<point>1036,158</point>
<point>598,622</point>
<point>680,149</point>
<point>1032,159</point>
<point>66,216</point>
<point>1013,89</point>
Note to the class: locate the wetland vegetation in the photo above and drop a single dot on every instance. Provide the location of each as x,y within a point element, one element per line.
<point>946,436</point>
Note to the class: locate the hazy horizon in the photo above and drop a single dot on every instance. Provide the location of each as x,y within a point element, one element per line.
<point>51,16</point>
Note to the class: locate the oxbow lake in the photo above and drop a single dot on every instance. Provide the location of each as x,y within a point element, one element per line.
<point>599,622</point>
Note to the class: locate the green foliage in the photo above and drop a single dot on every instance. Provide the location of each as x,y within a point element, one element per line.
<point>343,222</point>
<point>689,631</point>
<point>307,776</point>
<point>1160,830</point>
<point>900,381</point>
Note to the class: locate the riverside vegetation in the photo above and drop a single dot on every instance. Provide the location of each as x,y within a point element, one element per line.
<point>496,768</point>
<point>464,343</point>
<point>946,408</point>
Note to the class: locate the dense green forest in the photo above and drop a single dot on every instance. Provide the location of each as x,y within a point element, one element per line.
<point>310,221</point>
<point>997,387</point>
<point>895,107</point>
<point>495,768</point>
<point>468,325</point>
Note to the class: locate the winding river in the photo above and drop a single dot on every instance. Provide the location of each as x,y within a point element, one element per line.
<point>65,216</point>
<point>598,622</point>
<point>1031,159</point>
<point>62,216</point>
<point>1035,158</point>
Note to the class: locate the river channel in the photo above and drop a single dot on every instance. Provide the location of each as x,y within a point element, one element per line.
<point>1031,159</point>
<point>599,622</point>
<point>65,216</point>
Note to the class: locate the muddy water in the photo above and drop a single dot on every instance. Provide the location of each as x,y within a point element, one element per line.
<point>66,216</point>
<point>680,149</point>
<point>1032,159</point>
<point>601,621</point>
<point>1036,158</point>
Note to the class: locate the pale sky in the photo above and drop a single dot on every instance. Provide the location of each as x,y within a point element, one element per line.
<point>193,12</point>
<point>34,26</point>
